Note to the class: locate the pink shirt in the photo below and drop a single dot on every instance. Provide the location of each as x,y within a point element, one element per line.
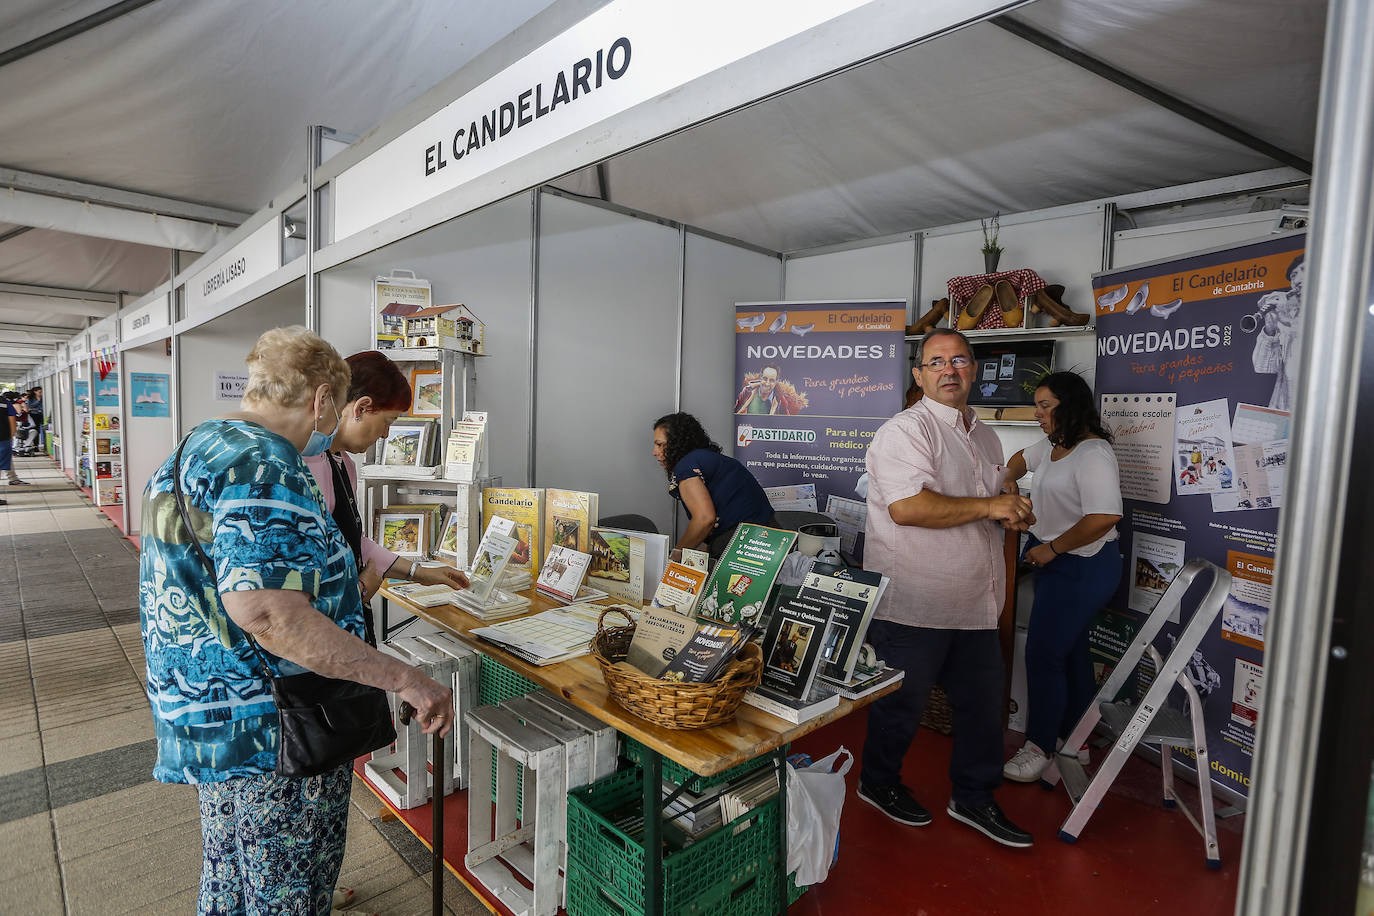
<point>379,556</point>
<point>947,578</point>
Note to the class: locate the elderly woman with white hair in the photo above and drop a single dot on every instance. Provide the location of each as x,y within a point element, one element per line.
<point>284,593</point>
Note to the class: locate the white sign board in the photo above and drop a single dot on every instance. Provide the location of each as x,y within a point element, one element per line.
<point>229,385</point>
<point>102,334</point>
<point>253,258</point>
<point>146,319</point>
<point>620,56</point>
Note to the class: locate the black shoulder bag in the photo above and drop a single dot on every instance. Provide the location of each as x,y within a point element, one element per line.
<point>325,722</point>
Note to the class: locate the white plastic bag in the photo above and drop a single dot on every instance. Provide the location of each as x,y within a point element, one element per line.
<point>815,799</point>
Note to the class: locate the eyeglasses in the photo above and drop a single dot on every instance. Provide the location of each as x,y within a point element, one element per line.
<point>938,363</point>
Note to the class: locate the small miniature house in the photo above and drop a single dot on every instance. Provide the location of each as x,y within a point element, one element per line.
<point>451,327</point>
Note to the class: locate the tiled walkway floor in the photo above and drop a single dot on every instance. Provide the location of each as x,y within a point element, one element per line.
<point>83,828</point>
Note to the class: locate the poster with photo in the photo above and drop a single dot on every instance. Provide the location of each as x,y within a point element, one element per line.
<point>1204,459</point>
<point>1155,560</point>
<point>107,391</point>
<point>813,382</point>
<point>1142,428</point>
<point>1220,330</point>
<point>1247,693</point>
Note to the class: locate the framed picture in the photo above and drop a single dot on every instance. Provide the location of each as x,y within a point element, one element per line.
<point>407,443</point>
<point>402,531</point>
<point>427,392</point>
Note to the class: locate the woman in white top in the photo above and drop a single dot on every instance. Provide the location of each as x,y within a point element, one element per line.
<point>1076,493</point>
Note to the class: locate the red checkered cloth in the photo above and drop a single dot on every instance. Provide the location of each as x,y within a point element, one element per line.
<point>1023,280</point>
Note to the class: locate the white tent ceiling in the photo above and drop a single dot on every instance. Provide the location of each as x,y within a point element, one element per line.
<point>207,102</point>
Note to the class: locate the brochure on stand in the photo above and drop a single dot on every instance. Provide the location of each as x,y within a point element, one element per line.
<point>489,562</point>
<point>562,574</point>
<point>738,589</point>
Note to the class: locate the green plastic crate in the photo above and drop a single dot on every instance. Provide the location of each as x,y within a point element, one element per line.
<point>711,871</point>
<point>680,775</point>
<point>588,896</point>
<point>496,682</point>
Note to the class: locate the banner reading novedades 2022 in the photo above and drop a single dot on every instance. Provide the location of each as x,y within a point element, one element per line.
<point>813,382</point>
<point>1195,368</point>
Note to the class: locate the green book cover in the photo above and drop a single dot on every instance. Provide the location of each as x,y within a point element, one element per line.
<point>743,579</point>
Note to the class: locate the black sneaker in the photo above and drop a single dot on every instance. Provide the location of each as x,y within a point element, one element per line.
<point>991,822</point>
<point>896,802</point>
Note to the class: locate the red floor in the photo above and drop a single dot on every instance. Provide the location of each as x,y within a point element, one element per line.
<point>1133,856</point>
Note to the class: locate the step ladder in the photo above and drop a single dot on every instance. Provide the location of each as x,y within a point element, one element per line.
<point>1152,721</point>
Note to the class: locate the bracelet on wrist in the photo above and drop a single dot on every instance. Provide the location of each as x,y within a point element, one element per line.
<point>1052,548</point>
<point>414,565</point>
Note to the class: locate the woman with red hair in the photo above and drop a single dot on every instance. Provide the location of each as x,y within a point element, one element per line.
<point>378,393</point>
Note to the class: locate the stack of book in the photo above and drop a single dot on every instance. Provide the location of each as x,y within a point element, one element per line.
<point>697,815</point>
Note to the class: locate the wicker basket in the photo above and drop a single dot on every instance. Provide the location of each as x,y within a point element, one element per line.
<point>669,703</point>
<point>938,715</point>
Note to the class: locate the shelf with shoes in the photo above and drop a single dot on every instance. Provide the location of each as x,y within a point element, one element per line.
<point>1002,306</point>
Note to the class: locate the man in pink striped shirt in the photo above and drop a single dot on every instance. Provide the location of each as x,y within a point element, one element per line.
<point>936,516</point>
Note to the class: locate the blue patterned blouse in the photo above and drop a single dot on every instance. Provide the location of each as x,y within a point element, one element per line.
<point>258,513</point>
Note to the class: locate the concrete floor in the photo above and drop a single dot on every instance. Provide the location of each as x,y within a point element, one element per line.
<point>83,827</point>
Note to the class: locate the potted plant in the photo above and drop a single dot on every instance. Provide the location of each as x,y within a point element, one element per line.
<point>991,250</point>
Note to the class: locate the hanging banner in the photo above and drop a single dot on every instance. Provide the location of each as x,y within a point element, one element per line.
<point>813,382</point>
<point>149,393</point>
<point>1195,368</point>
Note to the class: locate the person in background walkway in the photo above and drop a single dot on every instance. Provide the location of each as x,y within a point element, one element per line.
<point>9,430</point>
<point>284,573</point>
<point>34,445</point>
<point>935,528</point>
<point>1073,546</point>
<point>718,492</point>
<point>378,393</point>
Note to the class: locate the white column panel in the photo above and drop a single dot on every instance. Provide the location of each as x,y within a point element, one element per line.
<point>873,272</point>
<point>606,354</point>
<point>718,275</point>
<point>483,261</point>
<point>146,441</point>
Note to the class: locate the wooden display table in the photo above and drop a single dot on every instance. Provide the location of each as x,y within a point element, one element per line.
<point>705,752</point>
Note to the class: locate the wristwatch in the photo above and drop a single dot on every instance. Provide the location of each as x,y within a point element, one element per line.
<point>414,565</point>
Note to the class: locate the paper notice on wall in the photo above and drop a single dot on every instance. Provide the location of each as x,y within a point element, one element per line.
<point>1142,428</point>
<point>1202,447</point>
<point>1247,693</point>
<point>1258,479</point>
<point>1155,560</point>
<point>229,386</point>
<point>1246,610</point>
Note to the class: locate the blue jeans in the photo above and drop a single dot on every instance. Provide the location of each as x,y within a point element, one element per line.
<point>1069,593</point>
<point>968,665</point>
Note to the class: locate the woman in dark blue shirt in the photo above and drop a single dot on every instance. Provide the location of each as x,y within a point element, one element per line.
<point>718,492</point>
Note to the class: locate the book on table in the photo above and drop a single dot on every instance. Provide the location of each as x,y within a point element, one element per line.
<point>679,588</point>
<point>524,506</point>
<point>792,646</point>
<point>864,682</point>
<point>850,596</point>
<point>569,516</point>
<point>742,581</point>
<point>617,566</point>
<point>548,637</point>
<point>423,595</point>
<point>562,573</point>
<point>790,709</point>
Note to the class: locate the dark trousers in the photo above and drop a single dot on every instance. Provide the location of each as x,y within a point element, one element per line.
<point>968,665</point>
<point>1069,593</point>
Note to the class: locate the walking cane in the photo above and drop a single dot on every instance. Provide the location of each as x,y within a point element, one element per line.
<point>436,851</point>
